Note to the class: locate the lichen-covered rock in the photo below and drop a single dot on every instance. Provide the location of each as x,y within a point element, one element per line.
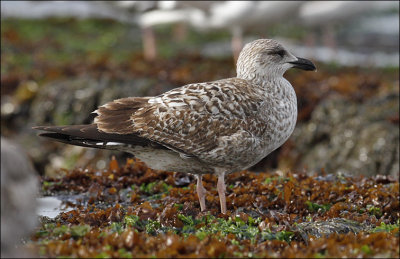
<point>350,137</point>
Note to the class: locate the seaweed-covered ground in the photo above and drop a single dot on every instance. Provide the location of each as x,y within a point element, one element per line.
<point>134,211</point>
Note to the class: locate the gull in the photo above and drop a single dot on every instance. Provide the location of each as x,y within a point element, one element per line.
<point>224,15</point>
<point>150,14</point>
<point>241,16</point>
<point>216,127</point>
<point>329,15</point>
<point>48,9</point>
<point>148,20</point>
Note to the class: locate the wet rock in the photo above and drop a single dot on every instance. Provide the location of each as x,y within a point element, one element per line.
<point>19,187</point>
<point>325,228</point>
<point>349,137</point>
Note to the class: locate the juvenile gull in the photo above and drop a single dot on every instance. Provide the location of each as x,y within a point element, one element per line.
<point>214,127</point>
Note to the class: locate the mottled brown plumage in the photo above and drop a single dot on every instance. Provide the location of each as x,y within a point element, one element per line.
<point>213,127</point>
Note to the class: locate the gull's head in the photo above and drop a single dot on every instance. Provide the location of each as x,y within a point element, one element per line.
<point>266,58</point>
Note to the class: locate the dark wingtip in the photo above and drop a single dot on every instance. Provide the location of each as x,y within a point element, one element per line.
<point>53,135</point>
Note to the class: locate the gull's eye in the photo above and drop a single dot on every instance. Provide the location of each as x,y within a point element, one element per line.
<point>280,52</point>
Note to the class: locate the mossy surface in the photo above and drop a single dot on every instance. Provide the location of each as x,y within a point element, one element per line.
<point>133,211</point>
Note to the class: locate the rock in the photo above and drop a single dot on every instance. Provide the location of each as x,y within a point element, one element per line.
<point>325,228</point>
<point>349,137</point>
<point>19,188</point>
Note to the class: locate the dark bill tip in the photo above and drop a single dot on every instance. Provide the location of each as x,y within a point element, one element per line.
<point>304,64</point>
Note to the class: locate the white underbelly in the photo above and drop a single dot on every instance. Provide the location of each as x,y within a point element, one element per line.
<point>168,160</point>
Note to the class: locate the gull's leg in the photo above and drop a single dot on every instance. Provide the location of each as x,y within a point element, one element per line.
<point>221,191</point>
<point>149,44</point>
<point>180,32</point>
<point>201,192</point>
<point>237,42</point>
<point>329,37</point>
<point>310,42</point>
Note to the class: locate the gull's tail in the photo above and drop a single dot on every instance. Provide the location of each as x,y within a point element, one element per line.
<point>90,136</point>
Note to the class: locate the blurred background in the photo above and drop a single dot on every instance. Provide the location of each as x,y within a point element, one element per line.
<point>62,59</point>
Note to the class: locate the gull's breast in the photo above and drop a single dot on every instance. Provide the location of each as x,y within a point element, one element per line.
<point>279,115</point>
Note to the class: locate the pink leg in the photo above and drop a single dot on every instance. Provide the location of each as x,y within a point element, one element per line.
<point>180,32</point>
<point>201,192</point>
<point>329,37</point>
<point>149,44</point>
<point>237,42</point>
<point>310,42</point>
<point>221,192</point>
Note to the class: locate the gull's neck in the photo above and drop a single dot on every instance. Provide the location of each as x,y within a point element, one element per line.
<point>263,80</point>
<point>272,82</point>
<point>257,75</point>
